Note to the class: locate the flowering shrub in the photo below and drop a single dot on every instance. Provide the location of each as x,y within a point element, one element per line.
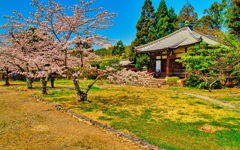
<point>125,76</point>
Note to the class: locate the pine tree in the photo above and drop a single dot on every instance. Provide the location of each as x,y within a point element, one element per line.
<point>187,15</point>
<point>233,19</point>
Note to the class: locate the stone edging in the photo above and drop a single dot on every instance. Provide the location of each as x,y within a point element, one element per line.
<point>88,120</point>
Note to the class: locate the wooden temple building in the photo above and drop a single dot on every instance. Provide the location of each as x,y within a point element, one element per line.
<point>164,51</point>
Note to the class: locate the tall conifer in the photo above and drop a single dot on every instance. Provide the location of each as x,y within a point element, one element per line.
<point>162,20</point>
<point>233,17</point>
<point>145,33</point>
<point>172,20</point>
<point>145,25</point>
<point>165,20</point>
<point>187,15</point>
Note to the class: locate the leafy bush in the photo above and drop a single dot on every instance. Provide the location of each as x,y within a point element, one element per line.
<point>192,81</point>
<point>212,65</point>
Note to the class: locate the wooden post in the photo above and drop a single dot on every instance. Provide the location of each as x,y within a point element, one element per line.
<point>167,66</point>
<point>161,62</point>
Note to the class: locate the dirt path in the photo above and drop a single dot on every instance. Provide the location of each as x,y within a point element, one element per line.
<point>217,102</point>
<point>28,124</point>
<point>214,101</point>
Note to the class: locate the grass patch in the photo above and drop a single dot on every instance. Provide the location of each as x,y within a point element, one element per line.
<point>200,102</point>
<point>116,113</point>
<point>168,119</point>
<point>174,96</point>
<point>59,99</point>
<point>227,138</point>
<point>231,99</point>
<point>105,118</point>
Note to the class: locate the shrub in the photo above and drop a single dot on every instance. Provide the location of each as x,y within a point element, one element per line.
<point>192,81</point>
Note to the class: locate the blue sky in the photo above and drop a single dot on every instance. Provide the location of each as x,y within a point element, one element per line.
<point>129,12</point>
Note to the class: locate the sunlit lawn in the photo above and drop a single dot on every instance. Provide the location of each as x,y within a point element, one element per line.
<point>168,119</point>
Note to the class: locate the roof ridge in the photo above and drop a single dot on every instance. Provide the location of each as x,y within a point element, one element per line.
<point>169,35</point>
<point>206,36</point>
<point>195,36</point>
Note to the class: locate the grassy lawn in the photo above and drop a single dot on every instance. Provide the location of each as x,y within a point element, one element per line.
<point>168,119</point>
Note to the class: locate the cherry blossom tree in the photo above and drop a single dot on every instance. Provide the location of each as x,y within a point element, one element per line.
<point>9,62</point>
<point>63,28</point>
<point>4,65</point>
<point>30,50</point>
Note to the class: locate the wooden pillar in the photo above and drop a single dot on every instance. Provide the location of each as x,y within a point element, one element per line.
<point>161,63</point>
<point>168,63</point>
<point>149,67</point>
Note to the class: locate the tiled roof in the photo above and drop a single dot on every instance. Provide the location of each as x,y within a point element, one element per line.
<point>180,38</point>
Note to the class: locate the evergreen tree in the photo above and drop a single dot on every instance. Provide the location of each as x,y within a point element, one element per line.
<point>212,22</point>
<point>162,20</point>
<point>216,13</point>
<point>145,30</point>
<point>233,17</point>
<point>211,66</point>
<point>172,20</point>
<point>118,49</point>
<point>145,25</point>
<point>187,15</point>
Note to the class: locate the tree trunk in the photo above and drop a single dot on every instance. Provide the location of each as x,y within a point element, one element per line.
<point>44,85</point>
<point>52,80</point>
<point>7,81</point>
<point>52,83</point>
<point>6,78</point>
<point>29,80</point>
<point>82,96</point>
<point>29,83</point>
<point>210,89</point>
